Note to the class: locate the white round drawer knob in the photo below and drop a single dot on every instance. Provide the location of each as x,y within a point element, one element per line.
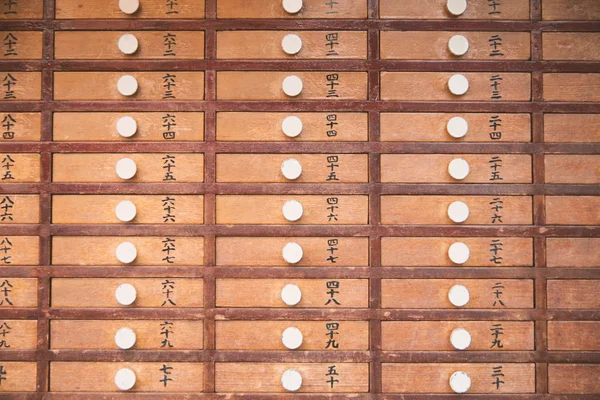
<point>292,6</point>
<point>460,382</point>
<point>126,126</point>
<point>125,211</point>
<point>128,44</point>
<point>127,85</point>
<point>291,126</point>
<point>126,252</point>
<point>458,212</point>
<point>291,294</point>
<point>460,339</point>
<point>292,253</point>
<point>291,169</point>
<point>458,295</point>
<point>125,338</point>
<point>458,45</point>
<point>129,6</point>
<point>457,127</point>
<point>291,380</point>
<point>292,210</point>
<point>291,44</point>
<point>292,85</point>
<point>125,294</point>
<point>458,84</point>
<point>458,169</point>
<point>456,7</point>
<point>459,253</point>
<point>125,379</point>
<point>126,168</point>
<point>292,338</point>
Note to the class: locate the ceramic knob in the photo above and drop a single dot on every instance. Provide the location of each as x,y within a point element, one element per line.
<point>458,169</point>
<point>456,7</point>
<point>458,295</point>
<point>129,6</point>
<point>291,126</point>
<point>126,126</point>
<point>459,253</point>
<point>126,252</point>
<point>458,45</point>
<point>292,85</point>
<point>291,380</point>
<point>291,44</point>
<point>125,338</point>
<point>292,338</point>
<point>125,379</point>
<point>292,210</point>
<point>291,169</point>
<point>457,127</point>
<point>127,85</point>
<point>291,294</point>
<point>460,382</point>
<point>125,211</point>
<point>128,44</point>
<point>458,212</point>
<point>126,168</point>
<point>460,339</point>
<point>292,6</point>
<point>292,253</point>
<point>125,294</point>
<point>458,84</point>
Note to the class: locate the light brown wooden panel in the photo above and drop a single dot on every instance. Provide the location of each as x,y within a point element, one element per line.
<point>20,127</point>
<point>151,85</point>
<point>150,334</point>
<point>244,209</point>
<point>100,376</point>
<point>266,377</point>
<point>436,9</point>
<point>431,127</point>
<point>433,251</point>
<point>18,376</point>
<point>19,209</point>
<point>18,292</point>
<point>151,167</point>
<point>266,335</point>
<point>433,293</point>
<point>266,85</point>
<point>433,210</point>
<point>18,334</point>
<point>570,10</point>
<point>152,45</point>
<point>86,9</point>
<point>316,127</point>
<point>571,87</point>
<point>17,86</point>
<point>316,168</point>
<point>573,210</point>
<point>351,9</point>
<point>353,293</point>
<point>580,128</point>
<point>433,86</point>
<point>573,335</point>
<point>433,168</point>
<point>575,294</point>
<point>435,335</point>
<point>573,378</point>
<point>165,126</point>
<point>409,45</point>
<point>22,9</point>
<point>21,45</point>
<point>101,250</point>
<point>434,378</point>
<point>571,46</point>
<point>583,169</point>
<point>151,292</point>
<point>573,252</point>
<point>19,168</point>
<point>19,250</point>
<point>100,209</point>
<point>317,251</point>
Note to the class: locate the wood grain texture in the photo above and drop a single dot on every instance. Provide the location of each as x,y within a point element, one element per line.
<point>570,10</point>
<point>349,9</point>
<point>21,209</point>
<point>580,46</point>
<point>573,378</point>
<point>24,45</point>
<point>19,168</point>
<point>19,250</point>
<point>18,334</point>
<point>19,377</point>
<point>20,292</point>
<point>573,335</point>
<point>23,86</point>
<point>573,252</point>
<point>573,210</point>
<point>23,9</point>
<point>436,9</point>
<point>20,127</point>
<point>88,9</point>
<point>571,87</point>
<point>571,169</point>
<point>577,128</point>
<point>577,294</point>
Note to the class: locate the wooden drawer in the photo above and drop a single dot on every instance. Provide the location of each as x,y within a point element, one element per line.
<point>316,335</point>
<point>19,209</point>
<point>572,87</point>
<point>159,86</point>
<point>267,85</point>
<point>572,210</point>
<point>18,292</point>
<point>316,293</point>
<point>159,9</point>
<point>434,378</point>
<point>21,45</point>
<point>573,378</point>
<point>315,168</point>
<point>573,335</point>
<point>18,334</point>
<point>408,45</point>
<point>20,86</point>
<point>433,293</point>
<point>570,10</point>
<point>150,376</point>
<point>332,377</point>
<point>153,251</point>
<point>151,209</point>
<point>433,127</point>
<point>483,86</point>
<point>573,294</point>
<point>150,334</point>
<point>351,9</point>
<point>19,168</point>
<point>151,292</point>
<point>22,9</point>
<point>433,210</point>
<point>316,251</point>
<point>584,46</point>
<point>573,252</point>
<point>150,167</point>
<point>317,210</point>
<point>436,9</point>
<point>20,127</point>
<point>18,376</point>
<point>434,251</point>
<point>579,128</point>
<point>151,126</point>
<point>434,168</point>
<point>267,45</point>
<point>152,45</point>
<point>584,169</point>
<point>19,250</point>
<point>435,335</point>
<point>268,127</point>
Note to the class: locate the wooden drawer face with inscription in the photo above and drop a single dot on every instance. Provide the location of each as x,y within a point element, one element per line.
<point>20,127</point>
<point>19,250</point>
<point>350,9</point>
<point>437,9</point>
<point>18,334</point>
<point>24,9</point>
<point>573,335</point>
<point>573,252</point>
<point>18,292</point>
<point>18,376</point>
<point>19,168</point>
<point>155,9</point>
<point>17,86</point>
<point>19,209</point>
<point>22,45</point>
<point>573,378</point>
